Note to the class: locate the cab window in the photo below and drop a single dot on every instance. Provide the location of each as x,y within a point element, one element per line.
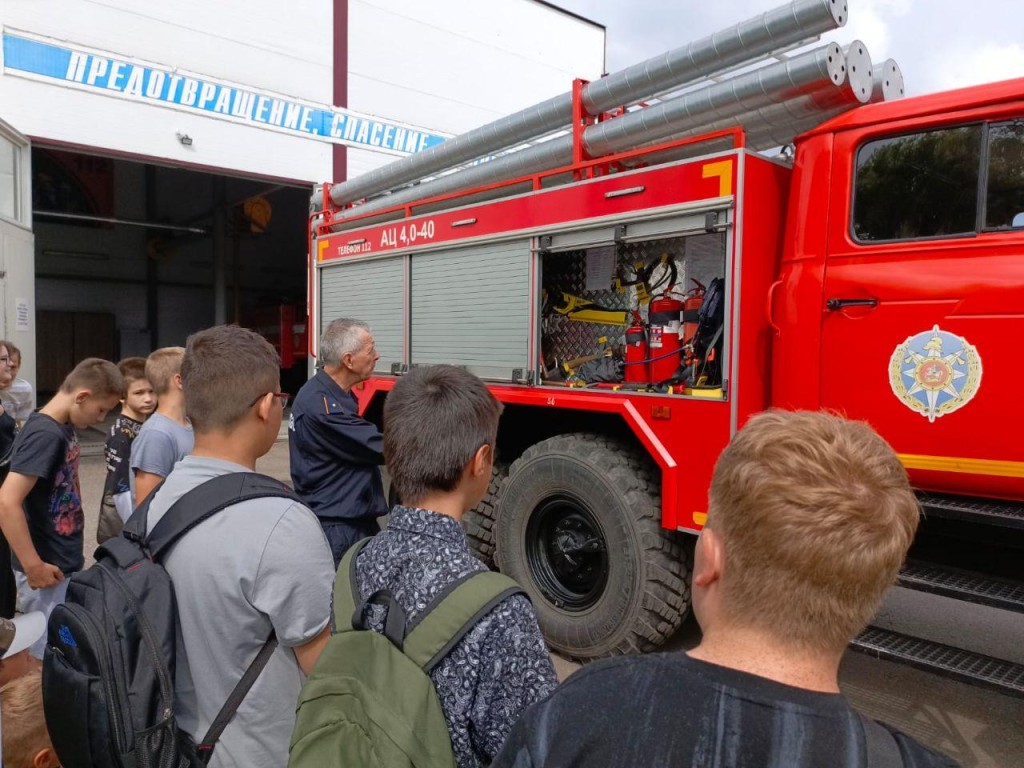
<point>1004,194</point>
<point>918,185</point>
<point>926,184</point>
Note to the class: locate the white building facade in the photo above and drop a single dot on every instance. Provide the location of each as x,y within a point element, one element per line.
<point>156,159</point>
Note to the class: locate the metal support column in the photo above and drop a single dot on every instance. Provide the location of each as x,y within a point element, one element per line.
<point>152,267</point>
<point>220,284</point>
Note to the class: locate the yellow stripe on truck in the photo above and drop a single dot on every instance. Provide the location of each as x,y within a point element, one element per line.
<point>963,466</point>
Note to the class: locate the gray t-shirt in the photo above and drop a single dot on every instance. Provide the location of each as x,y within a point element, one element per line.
<point>160,444</point>
<point>258,565</point>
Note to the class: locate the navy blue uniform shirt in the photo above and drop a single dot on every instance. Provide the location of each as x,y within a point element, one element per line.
<point>335,453</point>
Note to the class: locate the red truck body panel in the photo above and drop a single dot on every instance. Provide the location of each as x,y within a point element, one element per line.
<point>790,251</point>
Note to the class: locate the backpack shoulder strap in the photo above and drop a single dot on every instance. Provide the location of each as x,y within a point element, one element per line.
<point>453,613</point>
<point>206,500</point>
<point>882,749</point>
<point>346,589</point>
<point>134,528</point>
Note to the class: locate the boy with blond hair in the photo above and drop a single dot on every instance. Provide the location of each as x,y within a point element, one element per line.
<point>138,403</point>
<point>166,437</point>
<point>26,741</point>
<point>40,501</point>
<point>809,520</point>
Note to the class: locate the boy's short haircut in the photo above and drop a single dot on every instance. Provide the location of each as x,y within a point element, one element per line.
<point>161,367</point>
<point>816,515</point>
<point>225,369</point>
<point>24,724</point>
<point>99,376</point>
<point>132,369</point>
<point>435,420</point>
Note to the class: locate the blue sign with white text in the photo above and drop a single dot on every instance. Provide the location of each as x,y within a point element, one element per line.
<point>126,79</point>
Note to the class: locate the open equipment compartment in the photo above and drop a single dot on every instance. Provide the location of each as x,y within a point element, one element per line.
<point>633,313</point>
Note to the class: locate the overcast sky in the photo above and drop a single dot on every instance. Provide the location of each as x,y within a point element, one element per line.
<point>939,44</point>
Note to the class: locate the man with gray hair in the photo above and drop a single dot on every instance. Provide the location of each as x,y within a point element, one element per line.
<point>335,453</point>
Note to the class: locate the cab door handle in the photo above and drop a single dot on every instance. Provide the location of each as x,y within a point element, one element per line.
<point>836,304</point>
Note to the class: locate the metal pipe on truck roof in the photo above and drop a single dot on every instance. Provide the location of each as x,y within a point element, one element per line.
<point>887,81</point>
<point>779,124</point>
<point>768,85</point>
<point>791,23</point>
<point>805,73</point>
<point>817,105</point>
<point>742,42</point>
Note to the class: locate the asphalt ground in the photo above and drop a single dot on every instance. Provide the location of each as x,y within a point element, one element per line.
<point>977,727</point>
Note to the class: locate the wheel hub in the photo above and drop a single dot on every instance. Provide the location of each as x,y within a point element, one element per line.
<point>567,553</point>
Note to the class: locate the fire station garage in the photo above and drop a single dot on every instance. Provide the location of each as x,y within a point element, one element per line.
<point>157,165</point>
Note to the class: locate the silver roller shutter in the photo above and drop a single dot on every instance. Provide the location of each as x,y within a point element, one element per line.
<point>372,291</point>
<point>471,307</point>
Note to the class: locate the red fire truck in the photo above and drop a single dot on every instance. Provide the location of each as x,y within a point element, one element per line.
<point>877,270</point>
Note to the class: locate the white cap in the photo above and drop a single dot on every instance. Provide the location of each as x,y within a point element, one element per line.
<point>19,633</point>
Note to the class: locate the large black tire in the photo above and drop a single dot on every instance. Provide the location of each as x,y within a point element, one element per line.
<point>578,526</point>
<point>479,521</point>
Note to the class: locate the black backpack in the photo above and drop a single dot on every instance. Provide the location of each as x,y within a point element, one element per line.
<point>108,669</point>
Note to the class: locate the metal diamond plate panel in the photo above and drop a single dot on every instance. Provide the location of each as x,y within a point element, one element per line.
<point>699,256</point>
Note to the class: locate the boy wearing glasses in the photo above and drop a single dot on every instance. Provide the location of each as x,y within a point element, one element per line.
<point>166,437</point>
<point>259,565</point>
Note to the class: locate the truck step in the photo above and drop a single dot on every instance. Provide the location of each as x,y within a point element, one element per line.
<point>1007,514</point>
<point>974,668</point>
<point>963,585</point>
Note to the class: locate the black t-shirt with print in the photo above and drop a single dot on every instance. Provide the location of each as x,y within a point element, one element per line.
<point>118,452</point>
<point>671,710</point>
<point>49,451</point>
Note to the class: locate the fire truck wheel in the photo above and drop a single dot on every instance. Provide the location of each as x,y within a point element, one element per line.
<point>578,526</point>
<point>479,521</point>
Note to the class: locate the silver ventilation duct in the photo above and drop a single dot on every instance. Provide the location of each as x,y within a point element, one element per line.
<point>808,72</point>
<point>887,81</point>
<point>768,85</point>
<point>797,21</point>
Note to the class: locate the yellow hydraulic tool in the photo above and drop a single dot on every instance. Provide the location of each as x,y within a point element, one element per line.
<point>583,311</point>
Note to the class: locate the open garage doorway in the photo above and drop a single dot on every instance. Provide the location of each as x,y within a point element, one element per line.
<point>132,256</point>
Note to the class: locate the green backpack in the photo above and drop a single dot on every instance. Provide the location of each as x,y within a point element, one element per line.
<point>369,701</point>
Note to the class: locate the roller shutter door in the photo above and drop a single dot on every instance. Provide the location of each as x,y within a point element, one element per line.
<point>372,291</point>
<point>471,307</point>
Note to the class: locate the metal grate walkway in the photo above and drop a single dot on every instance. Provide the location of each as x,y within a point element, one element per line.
<point>963,585</point>
<point>1003,676</point>
<point>1002,513</point>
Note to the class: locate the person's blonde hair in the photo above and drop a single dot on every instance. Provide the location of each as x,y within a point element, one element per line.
<point>99,376</point>
<point>816,515</point>
<point>24,724</point>
<point>162,366</point>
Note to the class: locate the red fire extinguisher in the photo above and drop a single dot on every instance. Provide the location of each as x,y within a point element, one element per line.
<point>637,367</point>
<point>691,315</point>
<point>665,346</point>
<point>691,308</point>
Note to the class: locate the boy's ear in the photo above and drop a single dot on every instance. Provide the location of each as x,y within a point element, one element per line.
<point>177,381</point>
<point>45,758</point>
<point>82,395</point>
<point>710,562</point>
<point>482,460</point>
<point>266,403</point>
